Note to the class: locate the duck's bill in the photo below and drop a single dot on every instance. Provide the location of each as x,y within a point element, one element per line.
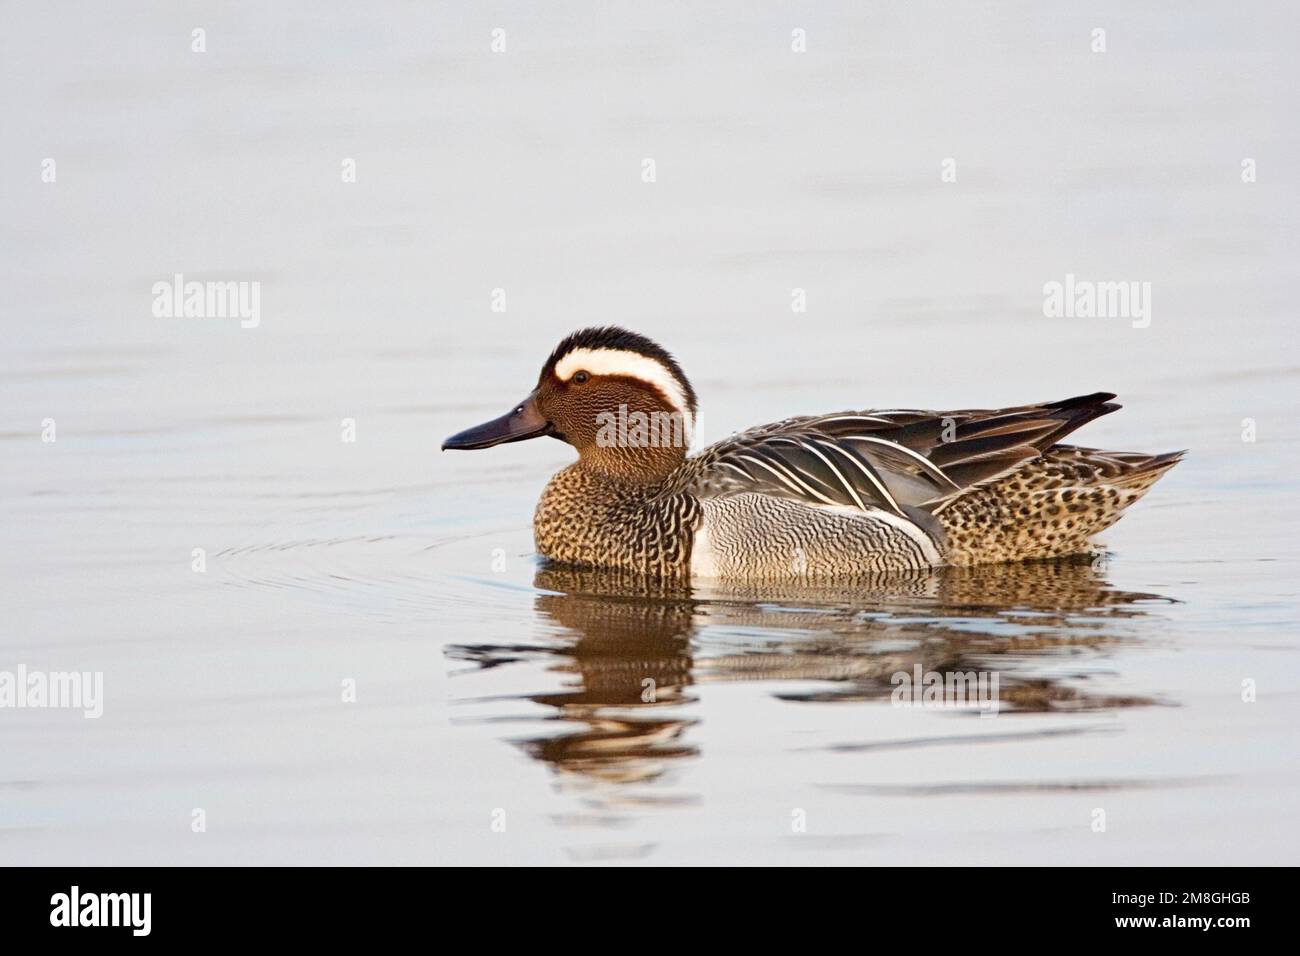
<point>523,421</point>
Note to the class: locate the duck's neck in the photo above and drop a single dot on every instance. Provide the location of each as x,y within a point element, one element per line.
<point>641,468</point>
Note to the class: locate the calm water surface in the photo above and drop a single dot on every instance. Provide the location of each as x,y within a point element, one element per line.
<point>491,689</point>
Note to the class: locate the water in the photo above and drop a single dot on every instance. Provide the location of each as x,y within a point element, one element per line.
<point>490,688</point>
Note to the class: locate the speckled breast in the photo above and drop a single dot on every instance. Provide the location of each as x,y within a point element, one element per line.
<point>589,520</point>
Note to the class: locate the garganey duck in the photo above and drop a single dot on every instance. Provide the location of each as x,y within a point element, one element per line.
<point>818,496</point>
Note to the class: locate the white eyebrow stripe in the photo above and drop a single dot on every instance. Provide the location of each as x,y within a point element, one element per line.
<point>633,365</point>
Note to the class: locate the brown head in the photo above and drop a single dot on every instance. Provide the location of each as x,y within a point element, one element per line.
<point>621,400</point>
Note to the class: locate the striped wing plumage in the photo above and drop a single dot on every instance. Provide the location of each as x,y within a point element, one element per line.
<point>901,461</point>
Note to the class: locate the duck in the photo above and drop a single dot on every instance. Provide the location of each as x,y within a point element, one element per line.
<point>833,496</point>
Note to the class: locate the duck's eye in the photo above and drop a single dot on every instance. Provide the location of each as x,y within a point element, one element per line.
<point>580,377</point>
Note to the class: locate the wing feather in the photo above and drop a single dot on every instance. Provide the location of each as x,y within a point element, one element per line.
<point>904,461</point>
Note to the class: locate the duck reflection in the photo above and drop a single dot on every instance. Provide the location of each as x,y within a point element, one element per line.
<point>628,645</point>
<point>636,647</point>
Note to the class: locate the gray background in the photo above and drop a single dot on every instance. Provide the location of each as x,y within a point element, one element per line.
<point>521,171</point>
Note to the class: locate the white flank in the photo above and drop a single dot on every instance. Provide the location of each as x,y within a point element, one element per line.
<point>905,525</point>
<point>633,365</point>
<point>704,563</point>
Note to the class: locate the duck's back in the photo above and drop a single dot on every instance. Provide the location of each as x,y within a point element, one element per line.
<point>864,492</point>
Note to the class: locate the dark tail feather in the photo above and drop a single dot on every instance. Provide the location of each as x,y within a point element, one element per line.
<point>1077,412</point>
<point>990,446</point>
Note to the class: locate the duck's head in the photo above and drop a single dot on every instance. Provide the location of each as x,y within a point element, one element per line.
<point>618,398</point>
